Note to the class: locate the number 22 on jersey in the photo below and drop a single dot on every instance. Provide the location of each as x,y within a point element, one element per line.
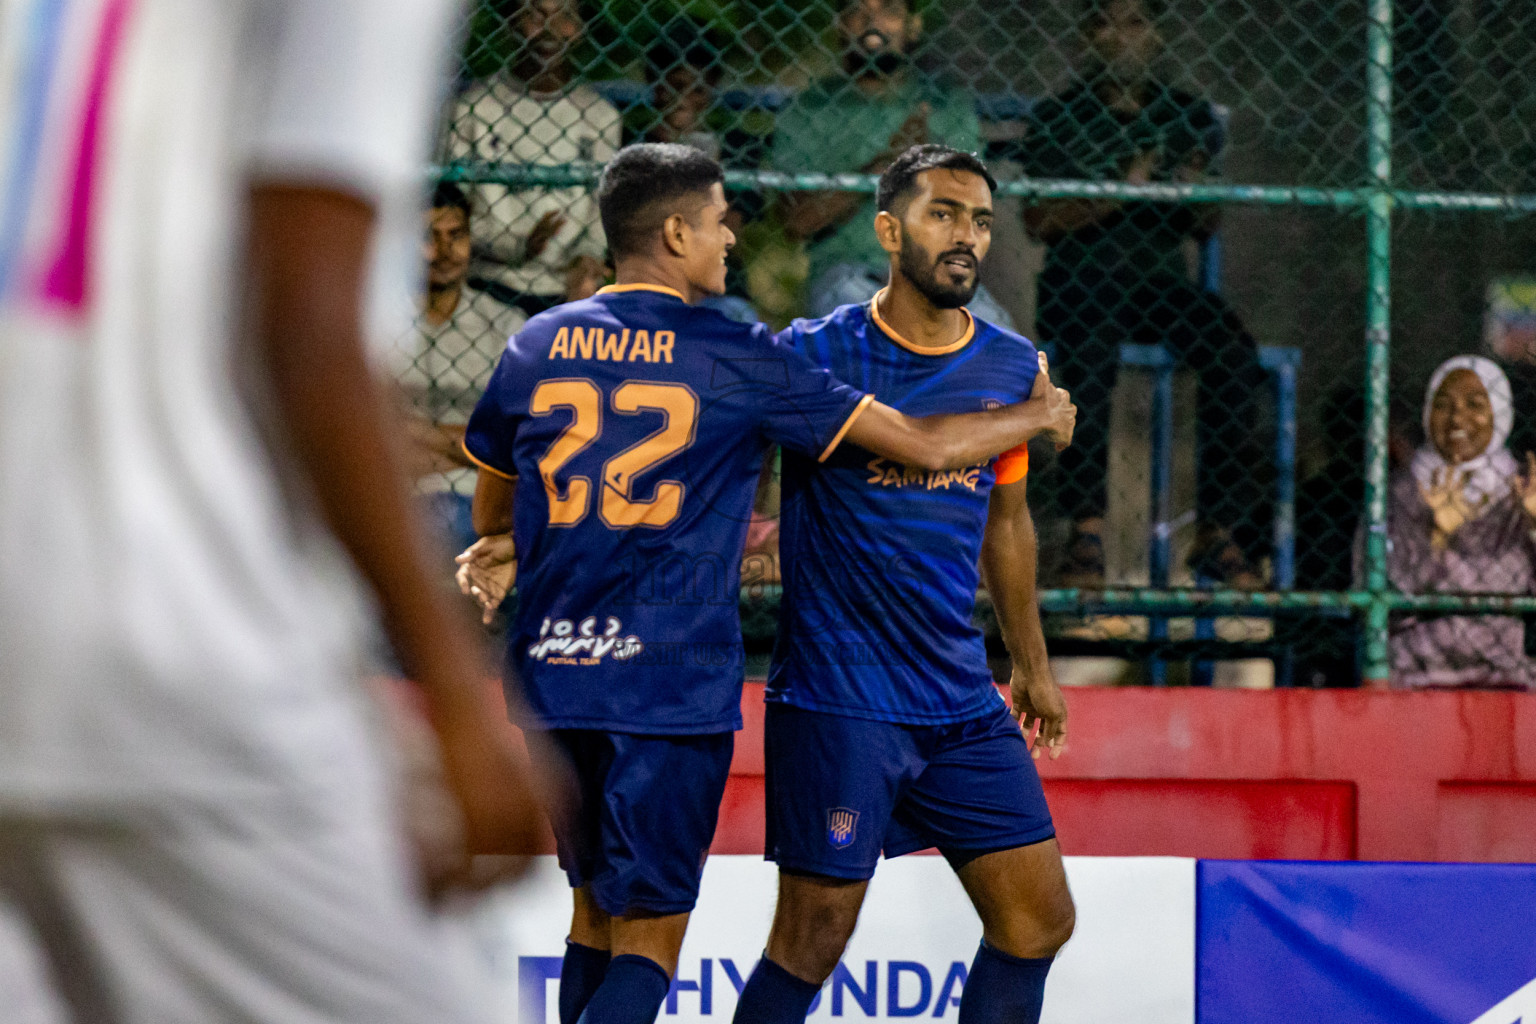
<point>617,505</point>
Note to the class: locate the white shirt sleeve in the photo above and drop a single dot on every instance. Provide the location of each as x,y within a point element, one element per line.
<point>348,102</point>
<point>352,91</point>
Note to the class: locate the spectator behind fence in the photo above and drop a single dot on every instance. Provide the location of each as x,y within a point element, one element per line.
<point>1460,520</point>
<point>533,241</point>
<point>859,122</point>
<point>1328,505</point>
<point>445,363</point>
<point>683,69</point>
<point>1116,271</point>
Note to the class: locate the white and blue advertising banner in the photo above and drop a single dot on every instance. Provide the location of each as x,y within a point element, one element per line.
<point>1132,959</point>
<point>1159,941</point>
<point>1283,941</point>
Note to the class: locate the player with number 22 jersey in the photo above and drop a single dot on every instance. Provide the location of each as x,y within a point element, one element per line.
<point>646,420</point>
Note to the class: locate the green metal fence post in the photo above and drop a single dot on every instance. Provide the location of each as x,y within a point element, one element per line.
<point>1378,314</point>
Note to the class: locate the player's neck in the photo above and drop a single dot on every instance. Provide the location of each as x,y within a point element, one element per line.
<point>919,322</point>
<point>642,270</point>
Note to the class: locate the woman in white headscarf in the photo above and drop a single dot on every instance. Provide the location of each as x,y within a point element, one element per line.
<point>1461,520</point>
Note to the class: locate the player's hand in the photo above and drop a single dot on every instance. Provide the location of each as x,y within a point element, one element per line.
<point>487,570</point>
<point>1060,413</point>
<point>1037,702</point>
<point>542,234</point>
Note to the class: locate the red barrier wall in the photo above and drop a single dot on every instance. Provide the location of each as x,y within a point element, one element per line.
<point>1302,774</point>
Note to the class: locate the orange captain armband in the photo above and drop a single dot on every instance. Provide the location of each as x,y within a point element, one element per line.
<point>1012,466</point>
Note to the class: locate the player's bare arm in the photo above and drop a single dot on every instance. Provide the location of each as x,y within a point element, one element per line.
<point>964,439</point>
<point>1008,562</point>
<point>690,261</point>
<point>308,254</point>
<point>492,509</point>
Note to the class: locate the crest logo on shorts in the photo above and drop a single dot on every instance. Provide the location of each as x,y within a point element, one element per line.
<point>842,824</point>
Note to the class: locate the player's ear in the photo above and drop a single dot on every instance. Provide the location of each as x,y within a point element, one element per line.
<point>888,231</point>
<point>914,28</point>
<point>674,232</point>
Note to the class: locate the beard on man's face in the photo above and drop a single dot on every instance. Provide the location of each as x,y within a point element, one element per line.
<point>933,278</point>
<point>446,273</point>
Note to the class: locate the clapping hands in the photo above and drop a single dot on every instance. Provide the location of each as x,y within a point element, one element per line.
<point>1524,486</point>
<point>1447,501</point>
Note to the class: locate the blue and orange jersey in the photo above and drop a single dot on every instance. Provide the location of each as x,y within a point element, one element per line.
<point>881,559</point>
<point>636,425</point>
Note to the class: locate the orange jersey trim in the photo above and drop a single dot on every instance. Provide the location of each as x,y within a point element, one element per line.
<point>483,464</point>
<point>965,337</point>
<point>612,289</point>
<point>1012,466</point>
<point>858,410</point>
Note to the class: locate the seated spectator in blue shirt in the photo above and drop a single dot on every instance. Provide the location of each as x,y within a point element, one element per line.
<point>859,122</point>
<point>1116,271</point>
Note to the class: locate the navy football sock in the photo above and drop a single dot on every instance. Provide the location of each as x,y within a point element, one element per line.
<point>631,992</point>
<point>774,996</point>
<point>1003,989</point>
<point>581,972</point>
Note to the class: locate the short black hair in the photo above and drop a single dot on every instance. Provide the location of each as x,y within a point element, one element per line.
<point>900,179</point>
<point>447,195</point>
<point>642,186</point>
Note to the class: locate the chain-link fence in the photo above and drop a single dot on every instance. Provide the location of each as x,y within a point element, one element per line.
<point>1217,217</point>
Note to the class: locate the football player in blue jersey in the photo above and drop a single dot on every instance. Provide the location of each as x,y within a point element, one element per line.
<point>884,730</point>
<point>639,423</point>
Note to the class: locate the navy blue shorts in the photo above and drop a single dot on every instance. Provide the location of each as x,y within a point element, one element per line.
<point>646,816</point>
<point>841,790</point>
